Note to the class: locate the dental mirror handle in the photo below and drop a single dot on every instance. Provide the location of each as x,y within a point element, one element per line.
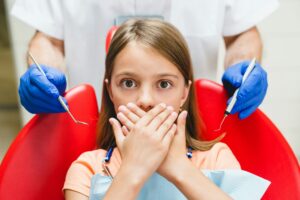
<point>59,97</point>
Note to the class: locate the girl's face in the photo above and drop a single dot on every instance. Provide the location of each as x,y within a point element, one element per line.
<point>144,77</point>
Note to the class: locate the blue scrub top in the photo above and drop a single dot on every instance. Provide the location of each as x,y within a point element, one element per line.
<point>238,184</point>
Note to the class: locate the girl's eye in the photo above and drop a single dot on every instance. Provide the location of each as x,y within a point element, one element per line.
<point>128,83</point>
<point>165,84</point>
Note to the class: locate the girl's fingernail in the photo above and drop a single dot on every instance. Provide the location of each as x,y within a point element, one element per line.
<point>122,108</point>
<point>120,116</point>
<point>184,114</point>
<point>130,105</point>
<point>111,121</point>
<point>174,114</point>
<point>170,108</point>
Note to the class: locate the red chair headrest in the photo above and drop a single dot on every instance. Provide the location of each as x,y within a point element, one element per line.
<point>109,36</point>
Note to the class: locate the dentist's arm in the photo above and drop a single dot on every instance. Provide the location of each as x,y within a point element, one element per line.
<point>38,94</point>
<point>243,46</point>
<point>48,50</point>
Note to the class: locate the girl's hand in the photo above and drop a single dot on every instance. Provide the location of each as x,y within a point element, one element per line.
<point>130,114</point>
<point>148,141</point>
<point>177,152</point>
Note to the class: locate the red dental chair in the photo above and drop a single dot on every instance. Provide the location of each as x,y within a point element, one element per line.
<point>256,142</point>
<point>37,161</point>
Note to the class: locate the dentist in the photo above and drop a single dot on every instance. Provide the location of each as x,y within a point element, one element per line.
<point>70,41</point>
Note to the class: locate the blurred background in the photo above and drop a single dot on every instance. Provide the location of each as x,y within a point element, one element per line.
<point>281,38</point>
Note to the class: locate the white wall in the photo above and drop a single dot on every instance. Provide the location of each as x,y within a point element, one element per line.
<point>20,35</point>
<point>281,36</point>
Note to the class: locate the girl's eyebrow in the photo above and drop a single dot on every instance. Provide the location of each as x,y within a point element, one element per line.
<point>126,74</point>
<point>136,75</point>
<point>166,74</point>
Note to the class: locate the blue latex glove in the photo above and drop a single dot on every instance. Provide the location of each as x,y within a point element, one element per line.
<point>39,94</point>
<point>251,93</point>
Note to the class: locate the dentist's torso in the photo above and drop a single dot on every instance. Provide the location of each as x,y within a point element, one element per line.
<point>87,22</point>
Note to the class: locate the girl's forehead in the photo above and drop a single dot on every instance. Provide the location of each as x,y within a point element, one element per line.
<point>141,60</point>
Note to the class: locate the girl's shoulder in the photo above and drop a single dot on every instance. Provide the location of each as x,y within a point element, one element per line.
<point>218,157</point>
<point>94,159</point>
<point>88,164</point>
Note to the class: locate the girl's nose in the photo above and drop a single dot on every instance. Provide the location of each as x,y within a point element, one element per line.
<point>145,99</point>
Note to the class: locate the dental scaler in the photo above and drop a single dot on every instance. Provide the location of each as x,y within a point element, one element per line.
<point>234,97</point>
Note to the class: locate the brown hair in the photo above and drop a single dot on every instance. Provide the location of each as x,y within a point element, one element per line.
<point>167,41</point>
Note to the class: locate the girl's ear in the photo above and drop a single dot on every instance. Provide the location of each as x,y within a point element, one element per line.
<point>185,93</point>
<point>108,88</point>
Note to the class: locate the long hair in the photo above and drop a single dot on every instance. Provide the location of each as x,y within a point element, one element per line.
<point>168,42</point>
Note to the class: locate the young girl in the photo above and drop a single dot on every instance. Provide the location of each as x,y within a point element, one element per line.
<point>152,151</point>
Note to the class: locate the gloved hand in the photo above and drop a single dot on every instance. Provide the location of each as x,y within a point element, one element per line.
<point>251,93</point>
<point>39,94</point>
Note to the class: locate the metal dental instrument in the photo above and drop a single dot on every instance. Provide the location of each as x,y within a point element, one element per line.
<point>233,100</point>
<point>60,97</point>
